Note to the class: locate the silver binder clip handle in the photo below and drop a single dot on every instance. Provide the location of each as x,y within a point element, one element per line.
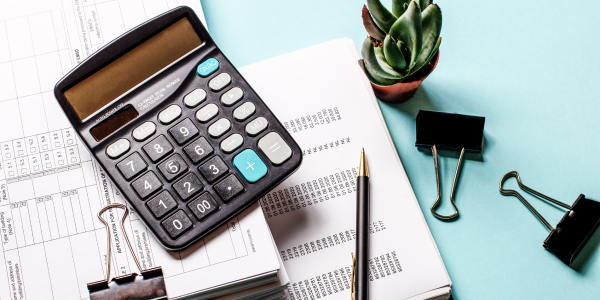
<point>439,185</point>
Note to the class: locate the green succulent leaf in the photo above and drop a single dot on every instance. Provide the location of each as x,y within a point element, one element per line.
<point>432,26</point>
<point>393,55</point>
<point>372,28</point>
<point>374,78</point>
<point>375,60</point>
<point>408,30</point>
<point>382,17</point>
<point>435,49</point>
<point>399,7</point>
<point>424,4</point>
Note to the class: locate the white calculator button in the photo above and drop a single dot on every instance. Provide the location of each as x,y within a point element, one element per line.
<point>231,143</point>
<point>219,128</point>
<point>144,131</point>
<point>257,126</point>
<point>232,96</point>
<point>170,114</point>
<point>244,111</point>
<point>118,148</point>
<point>219,82</point>
<point>275,148</point>
<point>207,112</point>
<point>194,98</point>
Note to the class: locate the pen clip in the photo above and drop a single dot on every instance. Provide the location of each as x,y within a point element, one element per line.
<point>353,276</point>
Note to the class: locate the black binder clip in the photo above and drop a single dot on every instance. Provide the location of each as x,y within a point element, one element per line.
<point>150,285</point>
<point>453,132</point>
<point>574,229</point>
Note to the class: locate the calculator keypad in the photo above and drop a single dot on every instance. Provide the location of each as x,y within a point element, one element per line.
<point>213,169</point>
<point>146,185</point>
<point>158,148</point>
<point>207,112</point>
<point>162,204</point>
<point>198,150</point>
<point>177,224</point>
<point>172,167</point>
<point>219,128</point>
<point>131,166</point>
<point>203,206</point>
<point>184,131</point>
<point>190,165</point>
<point>229,188</point>
<point>232,96</point>
<point>188,186</point>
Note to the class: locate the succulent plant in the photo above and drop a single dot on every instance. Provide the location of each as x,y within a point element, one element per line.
<point>400,42</point>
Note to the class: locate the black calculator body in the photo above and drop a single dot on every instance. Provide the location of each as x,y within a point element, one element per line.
<point>179,131</point>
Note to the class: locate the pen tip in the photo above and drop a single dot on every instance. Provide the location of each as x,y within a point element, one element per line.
<point>363,168</point>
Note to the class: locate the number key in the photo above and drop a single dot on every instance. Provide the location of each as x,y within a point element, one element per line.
<point>132,166</point>
<point>177,224</point>
<point>213,169</point>
<point>158,148</point>
<point>173,167</point>
<point>188,186</point>
<point>183,131</point>
<point>161,204</point>
<point>146,185</point>
<point>198,150</point>
<point>203,206</point>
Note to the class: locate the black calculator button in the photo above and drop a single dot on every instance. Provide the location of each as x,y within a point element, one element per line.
<point>213,169</point>
<point>118,148</point>
<point>244,111</point>
<point>256,126</point>
<point>232,96</point>
<point>203,206</point>
<point>158,148</point>
<point>173,167</point>
<point>198,150</point>
<point>177,224</point>
<point>131,166</point>
<point>146,185</point>
<point>169,114</point>
<point>219,82</point>
<point>219,128</point>
<point>183,131</point>
<point>207,112</point>
<point>229,188</point>
<point>188,186</point>
<point>144,131</point>
<point>194,98</point>
<point>162,204</point>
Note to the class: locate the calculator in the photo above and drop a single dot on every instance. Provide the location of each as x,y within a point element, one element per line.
<point>176,128</point>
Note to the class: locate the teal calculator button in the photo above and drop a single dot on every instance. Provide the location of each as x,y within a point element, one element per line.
<point>250,165</point>
<point>207,67</point>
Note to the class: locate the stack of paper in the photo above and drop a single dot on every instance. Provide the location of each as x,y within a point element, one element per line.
<point>325,101</point>
<point>51,189</point>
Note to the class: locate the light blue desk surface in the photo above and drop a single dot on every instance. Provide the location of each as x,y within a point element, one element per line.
<point>532,69</point>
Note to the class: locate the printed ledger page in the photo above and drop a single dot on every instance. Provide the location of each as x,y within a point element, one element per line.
<point>322,98</point>
<point>50,187</point>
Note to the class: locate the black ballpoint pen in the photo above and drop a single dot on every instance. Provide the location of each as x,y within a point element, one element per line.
<point>360,284</point>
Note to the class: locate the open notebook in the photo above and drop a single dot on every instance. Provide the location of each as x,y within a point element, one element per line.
<point>323,98</point>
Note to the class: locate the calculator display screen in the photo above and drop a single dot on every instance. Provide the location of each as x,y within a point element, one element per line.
<point>132,68</point>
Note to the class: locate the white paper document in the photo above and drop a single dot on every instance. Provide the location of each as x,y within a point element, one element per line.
<point>50,187</point>
<point>325,101</point>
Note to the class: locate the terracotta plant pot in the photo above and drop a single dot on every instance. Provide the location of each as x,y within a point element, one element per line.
<point>402,91</point>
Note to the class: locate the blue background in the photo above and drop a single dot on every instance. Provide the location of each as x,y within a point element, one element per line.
<point>532,69</point>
